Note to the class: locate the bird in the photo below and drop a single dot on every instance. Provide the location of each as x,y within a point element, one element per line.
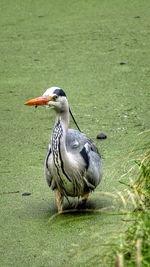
<point>73,165</point>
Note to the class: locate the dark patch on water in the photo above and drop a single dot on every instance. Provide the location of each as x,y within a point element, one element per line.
<point>123,63</point>
<point>101,136</point>
<point>41,16</point>
<point>26,194</point>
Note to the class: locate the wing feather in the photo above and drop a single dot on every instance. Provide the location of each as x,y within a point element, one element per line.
<point>81,146</point>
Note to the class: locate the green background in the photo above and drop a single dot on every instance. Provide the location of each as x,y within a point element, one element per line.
<point>98,51</point>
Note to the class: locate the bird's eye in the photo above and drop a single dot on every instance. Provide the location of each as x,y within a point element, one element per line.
<point>55,97</point>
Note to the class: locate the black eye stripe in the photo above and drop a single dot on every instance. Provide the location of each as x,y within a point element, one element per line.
<point>59,92</point>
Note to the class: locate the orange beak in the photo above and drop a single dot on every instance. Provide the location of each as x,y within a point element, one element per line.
<point>39,101</point>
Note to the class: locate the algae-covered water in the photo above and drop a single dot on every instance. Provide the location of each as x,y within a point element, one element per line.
<point>98,51</point>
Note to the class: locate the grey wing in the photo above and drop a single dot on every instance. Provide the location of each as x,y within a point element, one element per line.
<point>95,170</point>
<point>77,142</point>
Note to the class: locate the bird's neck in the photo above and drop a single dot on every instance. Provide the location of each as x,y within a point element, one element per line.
<point>61,158</point>
<point>59,136</point>
<point>63,118</point>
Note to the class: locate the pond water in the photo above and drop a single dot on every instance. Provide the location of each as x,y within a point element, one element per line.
<point>98,51</point>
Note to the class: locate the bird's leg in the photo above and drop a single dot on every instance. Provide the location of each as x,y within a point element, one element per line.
<point>59,200</point>
<point>85,198</point>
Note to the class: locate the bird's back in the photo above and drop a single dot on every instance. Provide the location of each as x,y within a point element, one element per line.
<point>75,141</point>
<point>78,143</point>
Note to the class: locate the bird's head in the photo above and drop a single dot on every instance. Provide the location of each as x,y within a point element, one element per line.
<point>53,97</point>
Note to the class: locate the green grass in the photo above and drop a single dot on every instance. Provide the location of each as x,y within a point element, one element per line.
<point>77,45</point>
<point>134,248</point>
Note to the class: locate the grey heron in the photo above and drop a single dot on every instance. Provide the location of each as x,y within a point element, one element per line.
<point>73,165</point>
